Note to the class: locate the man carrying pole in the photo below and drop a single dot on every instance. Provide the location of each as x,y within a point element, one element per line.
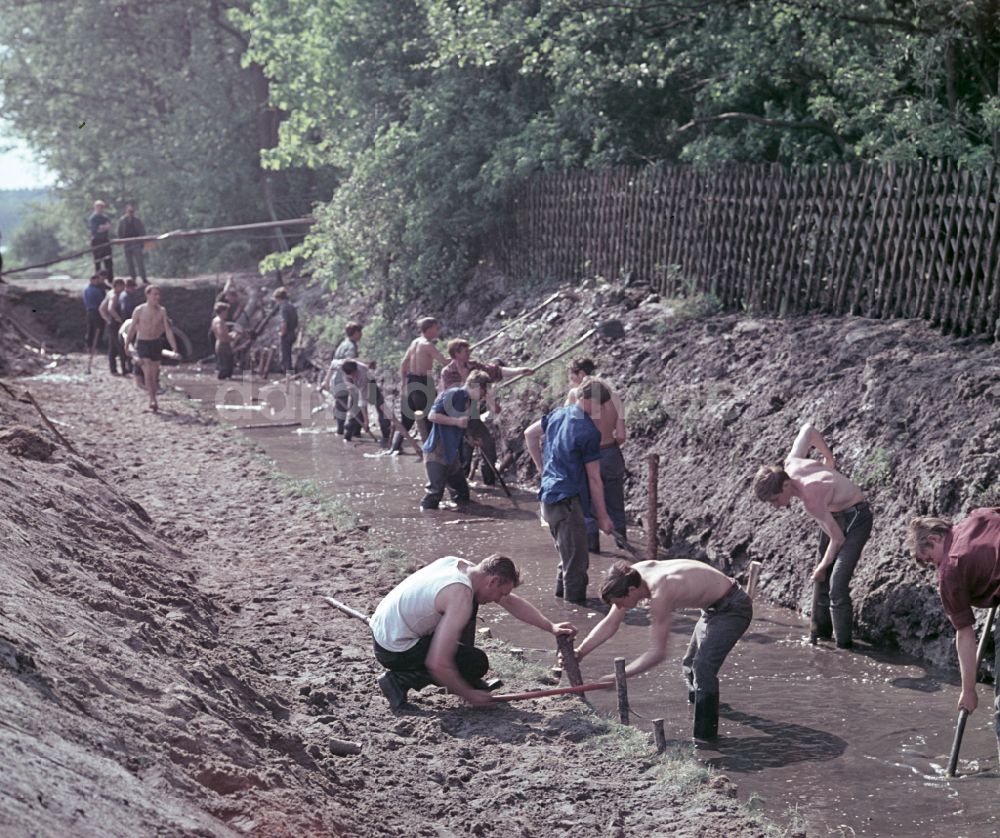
<point>726,612</point>
<point>844,517</point>
<point>424,630</point>
<point>967,558</point>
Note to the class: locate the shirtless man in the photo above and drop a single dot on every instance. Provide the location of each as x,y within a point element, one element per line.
<point>726,611</point>
<point>416,384</point>
<point>223,341</point>
<point>611,423</point>
<point>149,323</point>
<point>844,518</point>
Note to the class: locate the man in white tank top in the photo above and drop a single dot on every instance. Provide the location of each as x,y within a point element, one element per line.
<point>424,629</point>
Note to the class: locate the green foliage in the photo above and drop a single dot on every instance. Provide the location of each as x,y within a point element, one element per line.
<point>876,470</point>
<point>143,101</point>
<point>15,204</point>
<point>35,240</point>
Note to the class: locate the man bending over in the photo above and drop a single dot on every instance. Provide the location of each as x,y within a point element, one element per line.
<point>844,518</point>
<point>424,630</point>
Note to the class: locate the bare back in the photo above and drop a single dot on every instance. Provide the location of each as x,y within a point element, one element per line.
<point>681,583</point>
<point>221,330</point>
<point>608,417</point>
<point>821,486</point>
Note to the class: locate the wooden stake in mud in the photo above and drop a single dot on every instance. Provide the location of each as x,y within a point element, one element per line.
<point>659,737</point>
<point>265,425</point>
<point>653,476</point>
<point>622,686</point>
<point>963,714</point>
<point>753,576</point>
<point>570,665</point>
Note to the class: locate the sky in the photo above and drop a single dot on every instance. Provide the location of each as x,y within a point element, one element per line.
<point>18,167</point>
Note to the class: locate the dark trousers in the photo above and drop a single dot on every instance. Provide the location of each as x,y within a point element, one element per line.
<point>569,531</point>
<point>136,262</point>
<point>478,435</point>
<point>440,476</point>
<point>613,478</point>
<point>224,360</point>
<point>95,328</point>
<point>472,663</point>
<point>115,348</point>
<point>996,681</point>
<point>832,611</point>
<point>420,395</point>
<point>102,256</point>
<point>287,340</point>
<point>714,636</point>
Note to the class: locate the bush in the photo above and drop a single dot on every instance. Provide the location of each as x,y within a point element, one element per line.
<point>35,240</point>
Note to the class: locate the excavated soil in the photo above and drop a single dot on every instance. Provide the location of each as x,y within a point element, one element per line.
<point>167,665</point>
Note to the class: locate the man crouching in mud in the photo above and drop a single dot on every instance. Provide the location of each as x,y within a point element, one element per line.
<point>844,517</point>
<point>424,629</point>
<point>726,611</point>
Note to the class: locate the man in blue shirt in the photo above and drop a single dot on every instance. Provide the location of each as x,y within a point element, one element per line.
<point>571,468</point>
<point>93,296</point>
<point>449,417</point>
<point>100,238</point>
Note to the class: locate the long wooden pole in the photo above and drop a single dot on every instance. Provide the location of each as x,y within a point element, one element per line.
<point>173,234</point>
<point>350,612</point>
<point>963,714</point>
<point>555,691</point>
<point>499,332</point>
<point>546,362</point>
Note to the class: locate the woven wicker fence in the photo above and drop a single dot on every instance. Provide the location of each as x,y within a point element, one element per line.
<point>879,241</point>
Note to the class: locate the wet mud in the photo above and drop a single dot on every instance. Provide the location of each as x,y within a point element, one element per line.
<point>846,743</point>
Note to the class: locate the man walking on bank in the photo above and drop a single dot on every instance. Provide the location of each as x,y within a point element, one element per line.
<point>844,517</point>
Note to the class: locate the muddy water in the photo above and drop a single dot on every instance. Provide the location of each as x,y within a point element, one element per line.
<point>846,743</point>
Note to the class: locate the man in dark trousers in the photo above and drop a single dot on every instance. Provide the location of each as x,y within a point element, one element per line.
<point>424,630</point>
<point>130,226</point>
<point>100,236</point>
<point>967,558</point>
<point>289,328</point>
<point>845,521</point>
<point>571,467</point>
<point>93,296</point>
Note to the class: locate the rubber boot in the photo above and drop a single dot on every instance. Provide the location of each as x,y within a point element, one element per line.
<point>594,542</point>
<point>706,716</point>
<point>397,443</point>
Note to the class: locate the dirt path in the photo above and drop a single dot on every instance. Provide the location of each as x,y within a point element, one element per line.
<point>183,676</point>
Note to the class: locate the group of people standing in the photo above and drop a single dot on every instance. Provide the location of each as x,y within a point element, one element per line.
<point>130,226</point>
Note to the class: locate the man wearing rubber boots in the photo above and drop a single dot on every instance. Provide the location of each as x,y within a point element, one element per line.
<point>726,612</point>
<point>967,558</point>
<point>424,630</point>
<point>844,517</point>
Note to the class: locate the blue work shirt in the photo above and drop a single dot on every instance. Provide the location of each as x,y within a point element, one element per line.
<point>93,296</point>
<point>571,441</point>
<point>455,402</point>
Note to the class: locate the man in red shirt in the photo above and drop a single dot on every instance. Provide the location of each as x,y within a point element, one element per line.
<point>967,558</point>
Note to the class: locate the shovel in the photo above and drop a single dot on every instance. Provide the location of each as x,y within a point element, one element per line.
<point>963,714</point>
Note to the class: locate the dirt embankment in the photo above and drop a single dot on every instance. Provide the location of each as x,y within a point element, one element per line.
<point>911,415</point>
<point>167,665</point>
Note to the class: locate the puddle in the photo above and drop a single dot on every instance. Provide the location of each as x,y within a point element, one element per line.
<point>847,743</point>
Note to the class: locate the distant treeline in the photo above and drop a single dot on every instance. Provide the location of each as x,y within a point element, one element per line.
<point>14,204</point>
